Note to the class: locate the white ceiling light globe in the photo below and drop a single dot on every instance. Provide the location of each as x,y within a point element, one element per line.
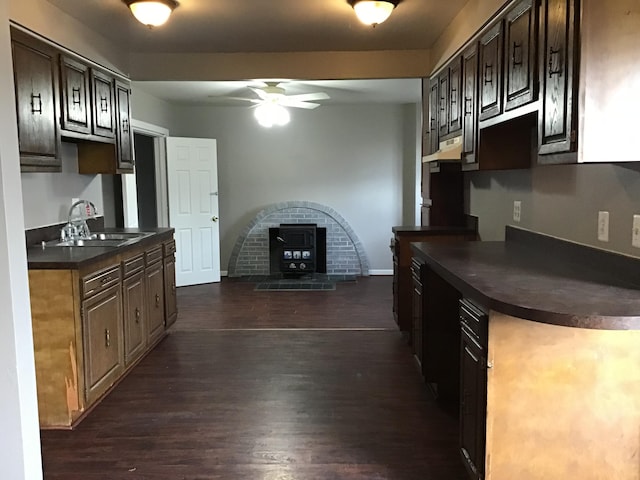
<point>372,12</point>
<point>269,114</point>
<point>152,14</point>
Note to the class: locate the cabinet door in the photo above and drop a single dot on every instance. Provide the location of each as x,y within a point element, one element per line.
<point>470,104</point>
<point>102,339</point>
<point>520,46</point>
<point>472,405</point>
<point>455,95</point>
<point>134,317</point>
<point>491,72</point>
<point>76,115</point>
<point>170,299</point>
<point>35,78</point>
<point>155,301</point>
<point>102,104</point>
<point>557,115</point>
<point>434,113</point>
<point>425,117</point>
<point>416,311</point>
<point>125,144</point>
<point>443,103</point>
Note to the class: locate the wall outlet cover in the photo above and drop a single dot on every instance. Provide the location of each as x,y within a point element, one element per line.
<point>635,232</point>
<point>517,210</point>
<point>603,226</point>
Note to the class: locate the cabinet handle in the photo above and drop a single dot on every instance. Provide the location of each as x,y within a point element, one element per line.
<point>555,54</point>
<point>105,280</point>
<point>516,58</point>
<point>467,103</point>
<point>137,315</point>
<point>37,109</point>
<point>173,288</point>
<point>442,108</point>
<point>453,98</point>
<point>103,105</point>
<point>75,95</point>
<point>125,125</point>
<point>107,338</point>
<point>157,300</point>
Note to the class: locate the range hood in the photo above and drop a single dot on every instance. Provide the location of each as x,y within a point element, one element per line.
<point>448,150</point>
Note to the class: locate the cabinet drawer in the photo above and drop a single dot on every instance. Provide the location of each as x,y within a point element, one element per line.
<point>154,255</point>
<point>169,248</point>
<point>132,265</point>
<point>474,320</point>
<point>101,280</point>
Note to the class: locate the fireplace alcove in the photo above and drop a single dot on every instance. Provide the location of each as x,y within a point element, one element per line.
<point>345,254</point>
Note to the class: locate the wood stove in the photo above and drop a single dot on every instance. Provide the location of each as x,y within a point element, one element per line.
<point>297,247</point>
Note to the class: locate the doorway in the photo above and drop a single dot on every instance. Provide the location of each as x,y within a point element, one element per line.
<point>145,180</point>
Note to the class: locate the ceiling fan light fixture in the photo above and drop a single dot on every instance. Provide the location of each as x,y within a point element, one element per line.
<point>373,12</point>
<point>269,114</point>
<point>151,13</point>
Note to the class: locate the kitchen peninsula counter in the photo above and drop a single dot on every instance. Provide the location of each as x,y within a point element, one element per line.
<point>559,359</point>
<point>542,282</point>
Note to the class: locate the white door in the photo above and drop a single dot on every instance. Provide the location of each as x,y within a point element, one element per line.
<point>192,173</point>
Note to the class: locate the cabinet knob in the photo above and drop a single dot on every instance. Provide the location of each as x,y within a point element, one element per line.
<point>107,338</point>
<point>157,300</point>
<point>137,315</point>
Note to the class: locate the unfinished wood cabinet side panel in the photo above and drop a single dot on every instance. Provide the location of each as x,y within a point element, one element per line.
<point>562,402</point>
<point>54,313</point>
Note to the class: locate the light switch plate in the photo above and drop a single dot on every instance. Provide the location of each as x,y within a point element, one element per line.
<point>635,234</point>
<point>603,226</point>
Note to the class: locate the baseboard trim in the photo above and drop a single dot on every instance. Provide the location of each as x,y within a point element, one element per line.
<point>380,272</point>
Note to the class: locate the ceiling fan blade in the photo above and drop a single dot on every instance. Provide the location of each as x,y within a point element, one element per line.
<point>261,93</point>
<point>303,97</point>
<point>224,100</point>
<point>285,102</point>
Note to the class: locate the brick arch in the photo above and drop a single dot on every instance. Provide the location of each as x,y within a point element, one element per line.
<point>345,253</point>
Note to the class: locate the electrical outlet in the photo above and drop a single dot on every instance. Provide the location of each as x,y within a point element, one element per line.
<point>635,234</point>
<point>603,226</point>
<point>517,210</point>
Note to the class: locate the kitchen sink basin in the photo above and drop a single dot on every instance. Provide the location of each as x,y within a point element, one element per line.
<point>102,239</point>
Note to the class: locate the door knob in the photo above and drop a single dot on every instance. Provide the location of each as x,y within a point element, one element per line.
<point>214,219</point>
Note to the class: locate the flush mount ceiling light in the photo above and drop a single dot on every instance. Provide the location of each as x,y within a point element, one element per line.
<point>372,12</point>
<point>151,13</point>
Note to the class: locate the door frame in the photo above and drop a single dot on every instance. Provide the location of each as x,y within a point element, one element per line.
<point>129,196</point>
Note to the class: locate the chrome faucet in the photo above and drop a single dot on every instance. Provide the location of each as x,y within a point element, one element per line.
<point>77,228</point>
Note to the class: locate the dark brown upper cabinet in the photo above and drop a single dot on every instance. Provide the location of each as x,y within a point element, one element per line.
<point>469,105</point>
<point>434,113</point>
<point>76,110</point>
<point>557,122</point>
<point>102,87</point>
<point>490,78</point>
<point>124,135</point>
<point>455,95</point>
<point>520,80</point>
<point>35,70</point>
<point>443,104</point>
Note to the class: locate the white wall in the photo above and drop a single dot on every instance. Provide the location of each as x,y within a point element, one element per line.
<point>47,196</point>
<point>349,158</point>
<point>562,201</point>
<point>149,109</point>
<point>20,457</point>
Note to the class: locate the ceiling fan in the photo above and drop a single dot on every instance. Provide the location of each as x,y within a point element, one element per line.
<point>273,92</point>
<point>271,101</point>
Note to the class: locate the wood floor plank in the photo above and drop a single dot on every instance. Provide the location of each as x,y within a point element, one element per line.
<point>290,404</point>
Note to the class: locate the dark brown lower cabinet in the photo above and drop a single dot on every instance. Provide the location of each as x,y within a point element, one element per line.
<point>155,301</point>
<point>473,388</point>
<point>416,311</point>
<point>134,316</point>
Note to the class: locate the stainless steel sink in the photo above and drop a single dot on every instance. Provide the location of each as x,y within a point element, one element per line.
<point>102,239</point>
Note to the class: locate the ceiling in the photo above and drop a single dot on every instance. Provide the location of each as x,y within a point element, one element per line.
<point>245,26</point>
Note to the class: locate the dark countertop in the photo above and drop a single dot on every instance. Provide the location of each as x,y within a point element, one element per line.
<point>436,230</point>
<point>536,284</point>
<point>64,258</point>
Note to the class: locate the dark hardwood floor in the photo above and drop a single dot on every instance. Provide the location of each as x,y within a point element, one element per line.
<point>268,386</point>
